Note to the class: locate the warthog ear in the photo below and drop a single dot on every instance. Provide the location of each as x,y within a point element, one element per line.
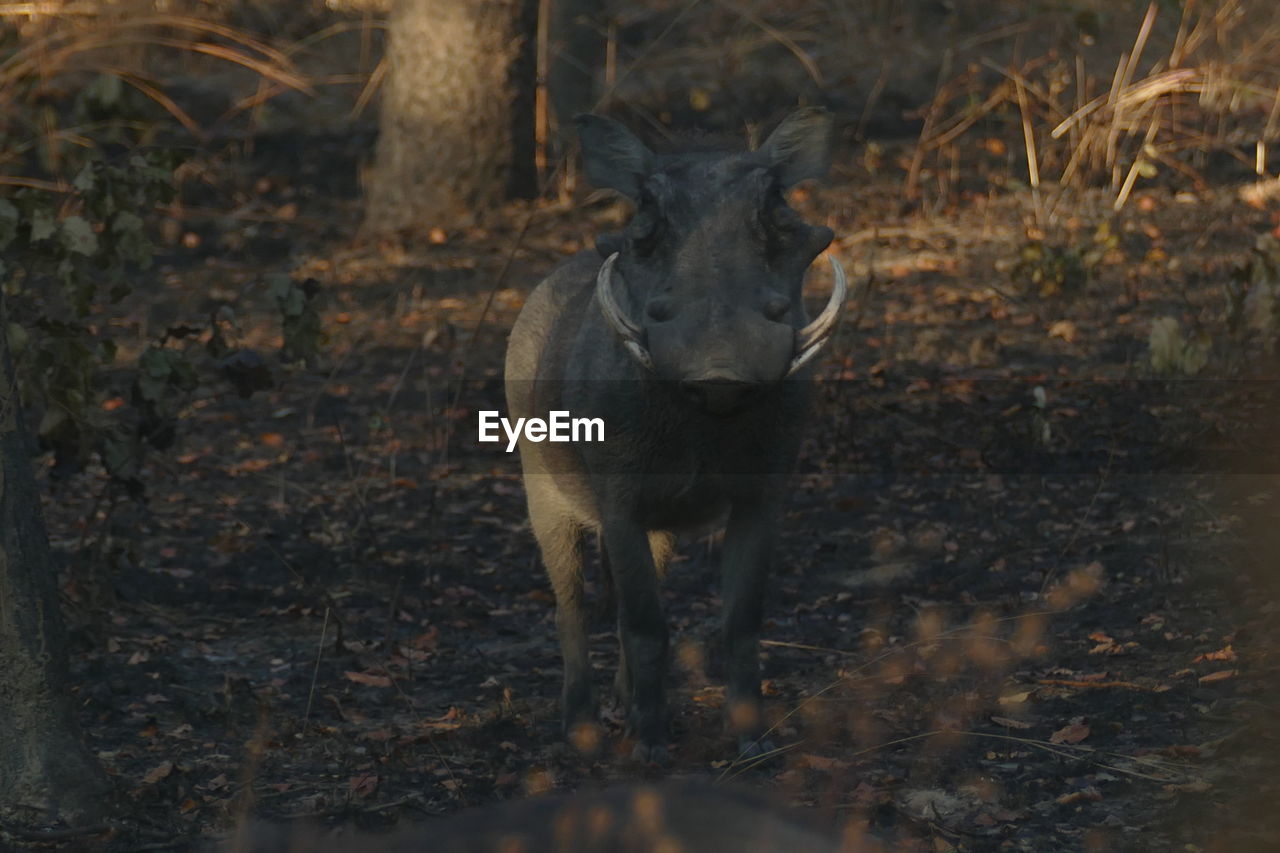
<point>614,157</point>
<point>800,147</point>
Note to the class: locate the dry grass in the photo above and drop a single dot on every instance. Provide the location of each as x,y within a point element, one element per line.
<point>51,50</point>
<point>1214,88</point>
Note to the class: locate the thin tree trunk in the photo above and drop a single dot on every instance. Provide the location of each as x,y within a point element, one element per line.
<point>445,150</point>
<point>46,773</point>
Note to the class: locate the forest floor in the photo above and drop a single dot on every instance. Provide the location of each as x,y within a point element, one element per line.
<point>1024,598</point>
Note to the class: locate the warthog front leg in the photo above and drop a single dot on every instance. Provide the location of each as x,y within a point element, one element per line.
<point>748,548</point>
<point>662,545</point>
<point>642,629</point>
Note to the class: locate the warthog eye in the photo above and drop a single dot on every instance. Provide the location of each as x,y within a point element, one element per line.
<point>776,307</point>
<point>661,309</point>
<point>783,227</point>
<point>646,229</point>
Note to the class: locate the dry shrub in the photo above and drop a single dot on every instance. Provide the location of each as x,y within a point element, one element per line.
<point>53,51</point>
<point>1170,100</point>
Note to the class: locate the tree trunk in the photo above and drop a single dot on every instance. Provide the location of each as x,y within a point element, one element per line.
<point>445,145</point>
<point>46,773</point>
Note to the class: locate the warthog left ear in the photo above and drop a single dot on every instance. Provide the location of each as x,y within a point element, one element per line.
<point>614,158</point>
<point>800,147</point>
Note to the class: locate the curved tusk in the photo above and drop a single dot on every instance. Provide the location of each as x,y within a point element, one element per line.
<point>812,337</point>
<point>628,332</point>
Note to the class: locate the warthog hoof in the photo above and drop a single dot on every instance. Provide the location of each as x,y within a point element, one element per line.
<point>651,753</point>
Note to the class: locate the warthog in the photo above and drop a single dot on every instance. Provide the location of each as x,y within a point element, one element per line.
<point>687,335</point>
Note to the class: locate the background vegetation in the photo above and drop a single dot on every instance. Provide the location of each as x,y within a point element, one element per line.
<point>253,409</point>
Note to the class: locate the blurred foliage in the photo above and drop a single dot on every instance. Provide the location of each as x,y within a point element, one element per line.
<point>299,312</point>
<point>63,253</point>
<point>1049,270</point>
<point>91,133</point>
<point>1252,293</point>
<point>1173,351</point>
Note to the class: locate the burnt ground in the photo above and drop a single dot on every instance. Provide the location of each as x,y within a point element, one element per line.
<point>1001,618</point>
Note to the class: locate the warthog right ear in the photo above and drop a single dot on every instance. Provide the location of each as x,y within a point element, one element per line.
<point>615,159</point>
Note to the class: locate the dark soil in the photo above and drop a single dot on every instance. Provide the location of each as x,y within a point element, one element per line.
<point>1002,617</point>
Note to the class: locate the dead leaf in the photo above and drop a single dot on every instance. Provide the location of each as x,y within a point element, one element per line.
<point>368,680</point>
<point>1073,733</point>
<point>1215,677</point>
<point>1064,330</point>
<point>1199,786</point>
<point>1088,795</point>
<point>363,785</point>
<point>1226,653</point>
<point>427,640</point>
<point>1010,723</point>
<point>160,771</point>
<point>823,763</point>
<point>932,803</point>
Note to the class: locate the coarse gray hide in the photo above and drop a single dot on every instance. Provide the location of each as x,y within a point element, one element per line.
<point>687,335</point>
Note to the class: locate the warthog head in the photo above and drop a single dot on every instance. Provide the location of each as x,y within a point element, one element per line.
<point>704,285</point>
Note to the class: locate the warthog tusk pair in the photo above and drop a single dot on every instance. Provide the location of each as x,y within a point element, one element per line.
<point>809,340</point>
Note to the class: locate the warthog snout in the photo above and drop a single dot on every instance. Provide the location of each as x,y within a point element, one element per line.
<point>719,395</point>
<point>679,341</point>
<point>695,309</point>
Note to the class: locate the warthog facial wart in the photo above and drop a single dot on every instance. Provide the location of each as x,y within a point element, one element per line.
<point>559,426</point>
<point>687,332</point>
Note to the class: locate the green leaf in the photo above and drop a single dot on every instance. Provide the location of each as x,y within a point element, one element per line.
<point>1172,352</point>
<point>42,225</point>
<point>78,237</point>
<point>85,179</point>
<point>288,296</point>
<point>153,374</point>
<point>131,241</point>
<point>120,454</point>
<point>18,337</point>
<point>1165,344</point>
<point>105,90</point>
